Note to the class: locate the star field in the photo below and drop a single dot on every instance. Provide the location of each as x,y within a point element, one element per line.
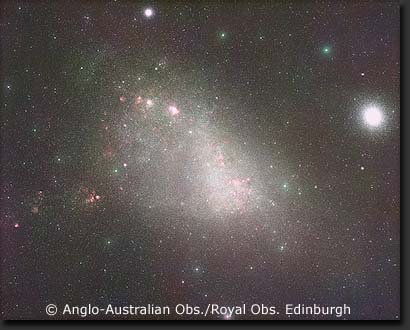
<point>200,153</point>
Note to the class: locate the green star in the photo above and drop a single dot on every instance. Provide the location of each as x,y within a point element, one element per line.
<point>223,35</point>
<point>326,50</point>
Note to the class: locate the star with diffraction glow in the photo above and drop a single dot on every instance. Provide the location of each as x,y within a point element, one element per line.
<point>373,116</point>
<point>149,12</point>
<point>326,50</point>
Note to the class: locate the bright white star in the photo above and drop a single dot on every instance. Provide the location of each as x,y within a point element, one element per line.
<point>148,12</point>
<point>373,116</point>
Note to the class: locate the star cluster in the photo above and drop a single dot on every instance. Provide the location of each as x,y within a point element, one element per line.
<point>200,153</point>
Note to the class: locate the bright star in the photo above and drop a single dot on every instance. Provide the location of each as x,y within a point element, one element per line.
<point>173,110</point>
<point>148,12</point>
<point>373,116</point>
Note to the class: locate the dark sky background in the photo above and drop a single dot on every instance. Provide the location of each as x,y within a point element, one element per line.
<point>213,152</point>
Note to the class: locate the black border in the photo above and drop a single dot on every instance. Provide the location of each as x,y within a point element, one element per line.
<point>404,233</point>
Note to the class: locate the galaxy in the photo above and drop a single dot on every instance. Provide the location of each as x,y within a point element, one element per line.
<point>214,160</point>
